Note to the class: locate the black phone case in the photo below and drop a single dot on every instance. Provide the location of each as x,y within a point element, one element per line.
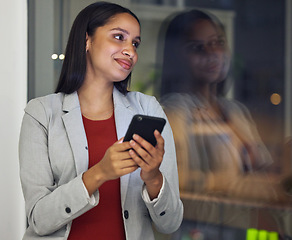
<point>145,126</point>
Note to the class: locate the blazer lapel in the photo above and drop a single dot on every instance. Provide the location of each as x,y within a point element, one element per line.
<point>123,117</point>
<point>75,130</point>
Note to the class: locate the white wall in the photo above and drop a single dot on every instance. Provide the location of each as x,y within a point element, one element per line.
<point>13,85</point>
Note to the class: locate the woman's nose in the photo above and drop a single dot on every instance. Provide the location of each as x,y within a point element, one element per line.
<point>126,52</point>
<point>129,50</point>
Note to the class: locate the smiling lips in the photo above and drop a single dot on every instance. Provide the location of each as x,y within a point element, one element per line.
<point>126,64</point>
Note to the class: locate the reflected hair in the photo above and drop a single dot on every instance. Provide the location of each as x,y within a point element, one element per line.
<point>87,21</point>
<point>174,76</point>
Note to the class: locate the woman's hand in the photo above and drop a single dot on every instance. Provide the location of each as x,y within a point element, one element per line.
<point>115,163</point>
<point>149,159</point>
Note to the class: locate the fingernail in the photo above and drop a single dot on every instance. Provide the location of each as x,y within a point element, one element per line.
<point>135,136</point>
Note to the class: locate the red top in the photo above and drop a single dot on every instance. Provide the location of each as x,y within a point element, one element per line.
<point>104,221</point>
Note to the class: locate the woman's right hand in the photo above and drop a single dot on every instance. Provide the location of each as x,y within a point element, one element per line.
<point>115,163</point>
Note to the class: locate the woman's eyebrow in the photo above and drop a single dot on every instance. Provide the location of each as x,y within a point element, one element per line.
<point>193,41</point>
<point>196,40</point>
<point>124,31</point>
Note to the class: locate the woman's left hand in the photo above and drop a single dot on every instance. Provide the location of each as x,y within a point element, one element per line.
<point>149,158</point>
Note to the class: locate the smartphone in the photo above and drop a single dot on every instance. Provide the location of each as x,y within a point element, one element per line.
<point>145,126</point>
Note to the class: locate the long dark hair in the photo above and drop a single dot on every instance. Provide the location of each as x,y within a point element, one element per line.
<point>175,75</point>
<point>74,65</point>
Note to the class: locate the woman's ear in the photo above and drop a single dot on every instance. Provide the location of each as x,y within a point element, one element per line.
<point>87,42</point>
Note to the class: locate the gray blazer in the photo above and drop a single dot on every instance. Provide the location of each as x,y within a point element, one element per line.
<point>53,155</point>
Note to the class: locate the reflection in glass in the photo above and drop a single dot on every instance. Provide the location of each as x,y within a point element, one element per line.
<point>224,166</point>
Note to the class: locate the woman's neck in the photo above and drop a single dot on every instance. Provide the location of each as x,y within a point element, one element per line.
<point>96,100</point>
<point>207,91</point>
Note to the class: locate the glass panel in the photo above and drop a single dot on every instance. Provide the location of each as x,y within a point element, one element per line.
<point>233,144</point>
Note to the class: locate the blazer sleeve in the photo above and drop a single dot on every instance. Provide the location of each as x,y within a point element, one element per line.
<point>167,211</point>
<point>49,206</point>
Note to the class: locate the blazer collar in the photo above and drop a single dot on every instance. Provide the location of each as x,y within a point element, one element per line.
<point>122,110</point>
<point>71,101</point>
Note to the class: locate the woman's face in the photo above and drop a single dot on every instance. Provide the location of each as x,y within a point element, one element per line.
<point>205,52</point>
<point>111,51</point>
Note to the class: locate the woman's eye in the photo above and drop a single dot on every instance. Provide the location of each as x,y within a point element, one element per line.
<point>217,42</point>
<point>119,37</point>
<point>221,42</point>
<point>136,44</point>
<point>213,43</point>
<point>195,47</point>
<point>199,48</point>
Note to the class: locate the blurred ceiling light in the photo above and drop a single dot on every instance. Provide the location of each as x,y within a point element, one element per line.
<point>54,56</point>
<point>275,98</point>
<point>61,56</point>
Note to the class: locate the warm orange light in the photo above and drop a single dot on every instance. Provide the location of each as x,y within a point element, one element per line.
<point>275,98</point>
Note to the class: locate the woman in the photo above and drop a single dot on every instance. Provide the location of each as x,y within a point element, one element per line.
<point>217,142</point>
<point>79,181</point>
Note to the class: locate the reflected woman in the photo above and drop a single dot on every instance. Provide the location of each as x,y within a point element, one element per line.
<point>216,138</point>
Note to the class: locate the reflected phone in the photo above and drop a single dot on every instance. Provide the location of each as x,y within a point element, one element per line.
<point>145,126</point>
